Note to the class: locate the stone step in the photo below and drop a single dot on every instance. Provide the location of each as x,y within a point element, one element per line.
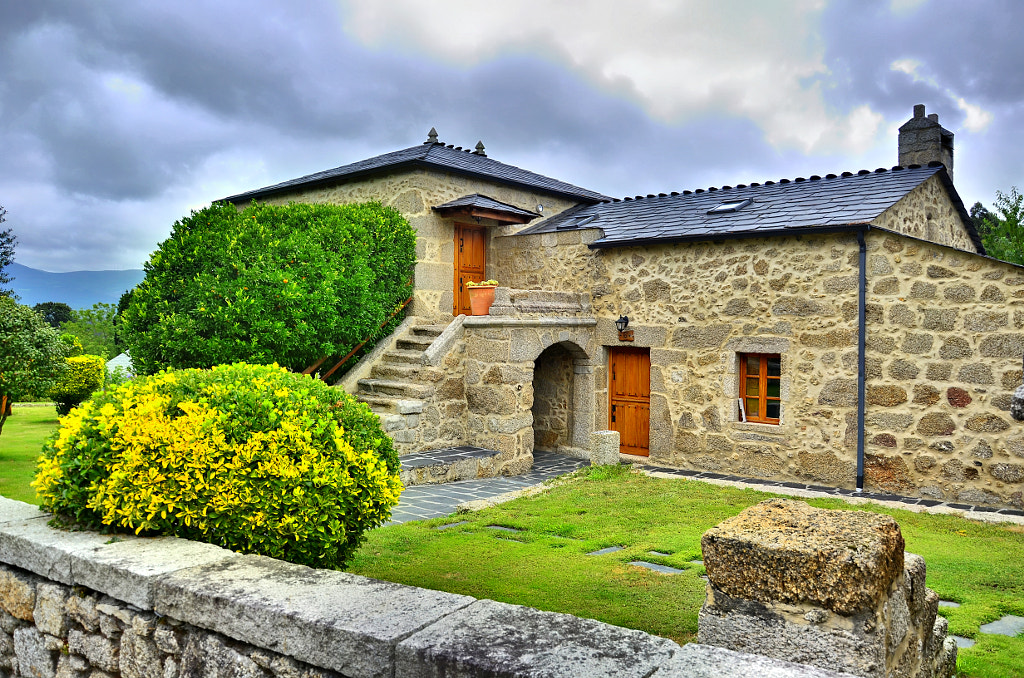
<point>428,330</point>
<point>396,372</point>
<point>382,404</point>
<point>448,465</point>
<point>400,356</point>
<point>413,343</point>
<point>401,389</point>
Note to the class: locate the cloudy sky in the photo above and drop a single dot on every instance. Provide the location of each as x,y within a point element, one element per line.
<point>119,116</point>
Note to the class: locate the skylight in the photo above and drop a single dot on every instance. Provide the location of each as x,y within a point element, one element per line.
<point>729,206</point>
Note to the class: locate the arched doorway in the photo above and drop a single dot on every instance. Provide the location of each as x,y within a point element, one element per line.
<point>556,397</point>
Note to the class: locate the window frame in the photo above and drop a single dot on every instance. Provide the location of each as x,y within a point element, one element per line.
<point>763,379</point>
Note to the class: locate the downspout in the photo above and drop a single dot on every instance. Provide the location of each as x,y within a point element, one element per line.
<point>862,284</point>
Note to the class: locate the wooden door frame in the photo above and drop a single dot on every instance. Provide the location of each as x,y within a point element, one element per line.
<point>457,260</point>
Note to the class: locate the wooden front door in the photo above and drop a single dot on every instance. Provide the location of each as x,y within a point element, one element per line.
<point>630,391</point>
<point>470,262</point>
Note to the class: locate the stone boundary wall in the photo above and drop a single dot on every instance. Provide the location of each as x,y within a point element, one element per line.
<point>85,605</point>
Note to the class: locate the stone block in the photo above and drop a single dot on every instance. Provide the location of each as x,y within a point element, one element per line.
<point>101,652</point>
<point>334,620</point>
<point>604,448</point>
<point>694,660</point>
<point>139,657</point>
<point>129,570</point>
<point>49,613</point>
<point>36,657</point>
<point>844,561</point>
<point>500,640</point>
<point>11,510</point>
<point>17,594</point>
<point>34,546</point>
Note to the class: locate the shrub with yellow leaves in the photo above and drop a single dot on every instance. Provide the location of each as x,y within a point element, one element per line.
<point>252,458</point>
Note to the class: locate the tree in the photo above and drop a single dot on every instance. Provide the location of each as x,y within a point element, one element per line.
<point>7,244</point>
<point>94,327</point>
<point>122,306</point>
<point>31,355</point>
<point>285,284</point>
<point>54,312</point>
<point>1002,231</point>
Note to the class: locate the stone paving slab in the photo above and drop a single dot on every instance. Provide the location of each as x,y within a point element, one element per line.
<point>663,569</point>
<point>601,552</point>
<point>422,502</point>
<point>11,510</point>
<point>707,661</point>
<point>1007,625</point>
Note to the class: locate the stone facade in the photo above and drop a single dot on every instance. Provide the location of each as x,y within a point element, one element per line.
<point>927,213</point>
<point>945,343</point>
<point>413,194</point>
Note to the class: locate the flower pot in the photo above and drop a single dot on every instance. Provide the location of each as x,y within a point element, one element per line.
<point>480,299</point>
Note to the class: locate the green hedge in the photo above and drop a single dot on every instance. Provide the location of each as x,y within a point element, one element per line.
<point>84,374</point>
<point>249,457</point>
<point>286,284</point>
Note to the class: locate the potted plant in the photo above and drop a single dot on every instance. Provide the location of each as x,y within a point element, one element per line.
<point>481,296</point>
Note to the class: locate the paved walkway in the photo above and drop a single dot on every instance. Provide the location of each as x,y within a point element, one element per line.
<point>420,502</point>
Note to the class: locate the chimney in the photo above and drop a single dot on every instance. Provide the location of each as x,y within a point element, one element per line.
<point>923,140</point>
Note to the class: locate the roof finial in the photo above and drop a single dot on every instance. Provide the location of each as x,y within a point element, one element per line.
<point>480,149</point>
<point>431,136</point>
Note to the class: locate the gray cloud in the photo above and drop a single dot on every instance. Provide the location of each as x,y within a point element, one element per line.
<point>116,118</point>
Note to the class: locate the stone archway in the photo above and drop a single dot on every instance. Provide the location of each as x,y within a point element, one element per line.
<point>562,398</point>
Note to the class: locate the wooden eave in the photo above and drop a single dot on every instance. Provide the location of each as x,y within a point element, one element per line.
<point>480,213</point>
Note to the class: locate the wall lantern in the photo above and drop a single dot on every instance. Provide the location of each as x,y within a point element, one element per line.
<point>621,324</point>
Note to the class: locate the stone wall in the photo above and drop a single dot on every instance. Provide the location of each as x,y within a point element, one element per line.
<point>927,213</point>
<point>697,306</point>
<point>945,342</point>
<point>413,194</point>
<point>85,605</point>
<point>944,351</point>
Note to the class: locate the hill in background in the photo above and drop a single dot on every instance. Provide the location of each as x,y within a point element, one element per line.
<point>77,289</point>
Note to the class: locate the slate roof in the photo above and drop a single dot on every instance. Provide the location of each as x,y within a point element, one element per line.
<point>432,156</point>
<point>483,202</point>
<point>787,206</point>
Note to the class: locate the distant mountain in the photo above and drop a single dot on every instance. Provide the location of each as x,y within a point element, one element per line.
<point>77,289</point>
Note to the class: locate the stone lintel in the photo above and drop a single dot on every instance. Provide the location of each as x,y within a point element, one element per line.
<point>501,640</point>
<point>335,620</point>
<point>787,551</point>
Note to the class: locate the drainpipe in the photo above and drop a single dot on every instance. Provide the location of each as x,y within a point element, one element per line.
<point>862,284</point>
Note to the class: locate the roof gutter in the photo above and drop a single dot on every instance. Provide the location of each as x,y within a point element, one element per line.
<point>707,237</point>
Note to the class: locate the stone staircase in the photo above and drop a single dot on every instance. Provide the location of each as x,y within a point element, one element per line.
<point>399,382</point>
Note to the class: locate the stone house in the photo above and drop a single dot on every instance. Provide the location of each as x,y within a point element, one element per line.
<point>841,330</point>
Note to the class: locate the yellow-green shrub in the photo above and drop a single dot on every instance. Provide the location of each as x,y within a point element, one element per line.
<point>84,374</point>
<point>249,457</point>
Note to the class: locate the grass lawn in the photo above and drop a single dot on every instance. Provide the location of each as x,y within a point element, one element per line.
<point>20,444</point>
<point>546,566</point>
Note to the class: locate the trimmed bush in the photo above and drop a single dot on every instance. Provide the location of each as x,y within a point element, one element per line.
<point>270,283</point>
<point>83,376</point>
<point>252,458</point>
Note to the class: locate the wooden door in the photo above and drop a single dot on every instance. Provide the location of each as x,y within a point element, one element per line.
<point>630,394</point>
<point>470,262</point>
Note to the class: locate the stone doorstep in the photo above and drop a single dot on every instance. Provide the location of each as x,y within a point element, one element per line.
<point>446,465</point>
